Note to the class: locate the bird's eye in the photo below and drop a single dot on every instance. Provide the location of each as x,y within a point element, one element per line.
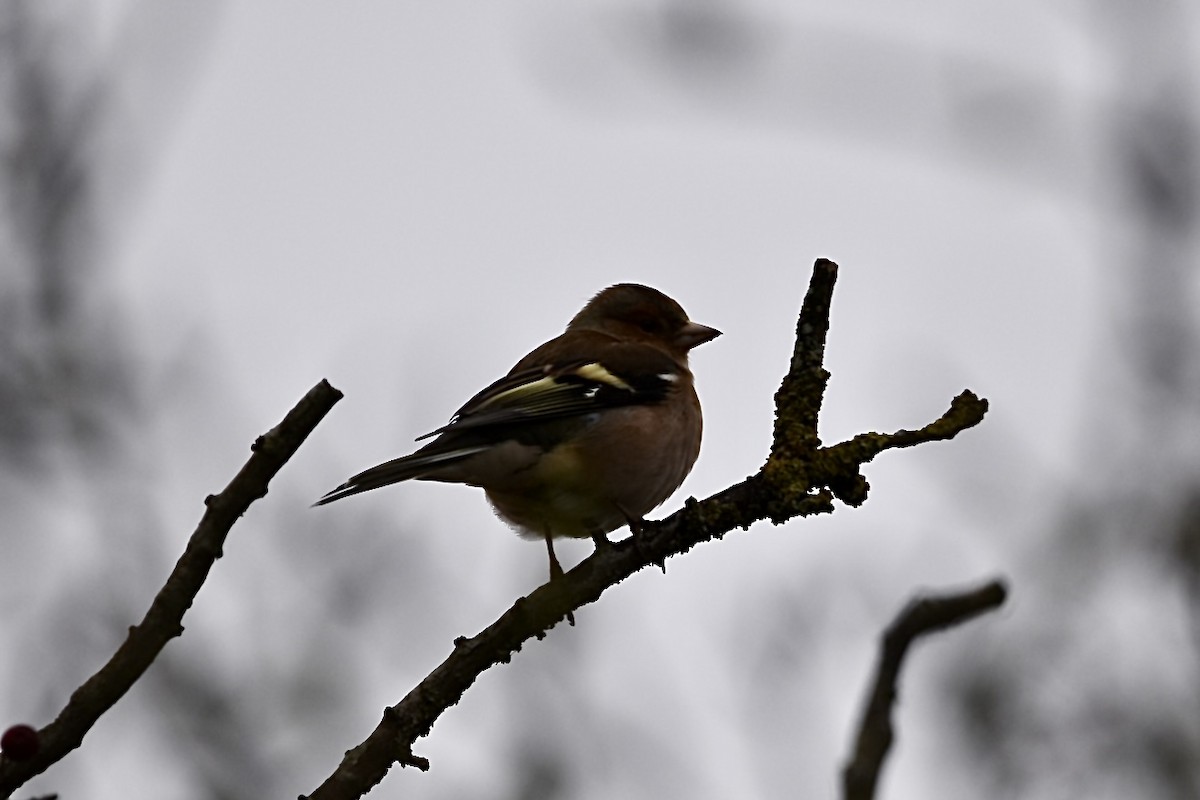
<point>647,322</point>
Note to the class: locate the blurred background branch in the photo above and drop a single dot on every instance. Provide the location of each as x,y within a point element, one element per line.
<point>926,613</point>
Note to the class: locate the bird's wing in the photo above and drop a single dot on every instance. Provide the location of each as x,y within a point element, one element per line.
<point>624,374</point>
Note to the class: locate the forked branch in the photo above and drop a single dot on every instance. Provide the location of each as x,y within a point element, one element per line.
<point>800,477</point>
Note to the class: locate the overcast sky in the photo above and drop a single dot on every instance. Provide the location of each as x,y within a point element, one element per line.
<point>404,198</point>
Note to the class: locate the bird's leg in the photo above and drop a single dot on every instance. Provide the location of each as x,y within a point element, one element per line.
<point>634,522</point>
<point>556,570</point>
<point>600,538</point>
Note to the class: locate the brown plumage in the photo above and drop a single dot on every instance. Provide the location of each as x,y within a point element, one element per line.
<point>588,432</point>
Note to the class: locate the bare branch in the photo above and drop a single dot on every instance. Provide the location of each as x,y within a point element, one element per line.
<point>923,614</point>
<point>800,478</point>
<point>802,391</point>
<point>164,620</point>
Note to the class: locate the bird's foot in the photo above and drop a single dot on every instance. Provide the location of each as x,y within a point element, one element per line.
<point>637,527</point>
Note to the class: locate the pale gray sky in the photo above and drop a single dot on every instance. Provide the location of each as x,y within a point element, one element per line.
<point>404,198</point>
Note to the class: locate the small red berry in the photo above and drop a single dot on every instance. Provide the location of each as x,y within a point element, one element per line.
<point>20,743</point>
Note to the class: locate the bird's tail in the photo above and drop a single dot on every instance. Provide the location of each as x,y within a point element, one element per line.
<point>421,464</point>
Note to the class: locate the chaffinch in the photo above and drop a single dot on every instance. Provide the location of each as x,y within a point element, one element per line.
<point>587,433</point>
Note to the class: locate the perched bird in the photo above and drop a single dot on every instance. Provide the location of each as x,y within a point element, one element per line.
<point>587,433</point>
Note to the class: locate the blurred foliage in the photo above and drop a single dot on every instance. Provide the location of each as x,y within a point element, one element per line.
<point>65,373</point>
<point>70,398</point>
<point>1097,694</point>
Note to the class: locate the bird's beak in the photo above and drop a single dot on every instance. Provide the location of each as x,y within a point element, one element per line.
<point>694,334</point>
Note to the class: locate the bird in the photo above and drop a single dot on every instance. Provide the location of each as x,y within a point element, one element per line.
<point>586,434</point>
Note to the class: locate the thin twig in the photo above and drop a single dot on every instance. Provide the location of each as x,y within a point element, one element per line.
<point>164,619</point>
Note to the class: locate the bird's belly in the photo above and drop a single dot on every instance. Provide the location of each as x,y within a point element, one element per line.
<point>588,487</point>
<point>556,496</point>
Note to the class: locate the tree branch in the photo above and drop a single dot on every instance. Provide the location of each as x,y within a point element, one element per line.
<point>923,614</point>
<point>164,619</point>
<point>800,478</point>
